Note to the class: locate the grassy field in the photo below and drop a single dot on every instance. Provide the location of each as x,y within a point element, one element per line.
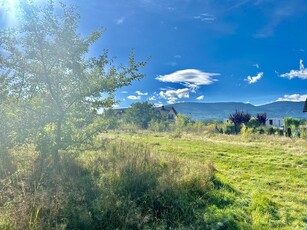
<point>147,180</point>
<point>267,174</point>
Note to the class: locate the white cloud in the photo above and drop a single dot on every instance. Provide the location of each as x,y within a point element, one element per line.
<point>301,73</point>
<point>256,65</point>
<point>159,104</point>
<point>191,78</point>
<point>120,21</point>
<point>141,93</point>
<point>293,97</point>
<point>200,97</point>
<point>208,18</point>
<point>153,98</point>
<point>132,97</point>
<point>171,96</point>
<point>124,91</point>
<point>254,79</point>
<point>173,63</point>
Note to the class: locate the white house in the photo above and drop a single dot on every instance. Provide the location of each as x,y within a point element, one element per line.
<point>169,112</point>
<point>277,122</point>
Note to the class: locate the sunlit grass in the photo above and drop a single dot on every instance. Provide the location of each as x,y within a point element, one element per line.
<point>158,181</point>
<point>268,170</point>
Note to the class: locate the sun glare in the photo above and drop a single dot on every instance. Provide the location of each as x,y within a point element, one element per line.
<point>9,8</point>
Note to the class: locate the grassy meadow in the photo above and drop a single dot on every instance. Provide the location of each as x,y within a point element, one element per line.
<point>150,180</point>
<point>267,174</point>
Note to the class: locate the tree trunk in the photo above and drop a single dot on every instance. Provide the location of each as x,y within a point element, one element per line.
<point>58,141</point>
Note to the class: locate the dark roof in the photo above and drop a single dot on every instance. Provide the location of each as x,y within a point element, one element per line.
<point>119,111</point>
<point>166,110</point>
<point>305,107</point>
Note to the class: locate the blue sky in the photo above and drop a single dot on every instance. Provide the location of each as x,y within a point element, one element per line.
<point>205,50</point>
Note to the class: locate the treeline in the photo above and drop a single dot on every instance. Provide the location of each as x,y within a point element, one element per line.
<point>144,116</point>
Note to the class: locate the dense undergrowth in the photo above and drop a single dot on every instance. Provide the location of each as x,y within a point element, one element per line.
<point>114,185</point>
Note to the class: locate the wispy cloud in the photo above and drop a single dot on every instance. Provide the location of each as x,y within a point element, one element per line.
<point>200,97</point>
<point>256,65</point>
<point>293,97</point>
<point>301,73</point>
<point>177,56</point>
<point>279,13</point>
<point>254,79</point>
<point>152,98</point>
<point>191,78</point>
<point>141,93</point>
<point>124,91</point>
<point>132,97</point>
<point>171,96</point>
<point>205,17</point>
<point>173,63</point>
<point>120,21</point>
<point>159,104</point>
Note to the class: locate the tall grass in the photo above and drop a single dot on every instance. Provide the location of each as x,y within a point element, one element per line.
<point>116,186</point>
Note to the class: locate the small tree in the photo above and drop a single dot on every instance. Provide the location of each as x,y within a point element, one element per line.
<point>142,113</point>
<point>238,118</point>
<point>253,123</point>
<point>181,121</point>
<point>262,118</point>
<point>49,76</point>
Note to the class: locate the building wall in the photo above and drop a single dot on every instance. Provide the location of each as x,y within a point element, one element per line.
<point>277,122</point>
<point>171,115</point>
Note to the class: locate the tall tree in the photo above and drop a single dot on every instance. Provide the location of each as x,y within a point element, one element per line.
<point>142,113</point>
<point>238,118</point>
<point>261,118</point>
<point>46,71</point>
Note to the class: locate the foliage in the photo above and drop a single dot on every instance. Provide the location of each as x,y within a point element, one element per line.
<point>291,122</point>
<point>253,123</point>
<point>261,118</point>
<point>181,121</point>
<point>228,128</point>
<point>47,74</point>
<point>158,125</point>
<point>246,131</point>
<point>196,127</point>
<point>142,113</point>
<point>238,118</point>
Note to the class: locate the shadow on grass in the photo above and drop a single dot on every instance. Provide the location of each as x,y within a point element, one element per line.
<point>122,187</point>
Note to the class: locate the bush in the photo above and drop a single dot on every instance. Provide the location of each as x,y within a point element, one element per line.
<point>246,131</point>
<point>158,126</point>
<point>229,128</point>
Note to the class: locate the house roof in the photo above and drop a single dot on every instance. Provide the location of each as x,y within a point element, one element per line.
<point>166,110</point>
<point>305,107</point>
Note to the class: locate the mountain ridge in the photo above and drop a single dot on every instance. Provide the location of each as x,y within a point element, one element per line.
<point>221,110</point>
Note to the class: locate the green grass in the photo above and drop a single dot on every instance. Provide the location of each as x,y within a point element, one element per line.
<point>267,173</point>
<point>158,181</point>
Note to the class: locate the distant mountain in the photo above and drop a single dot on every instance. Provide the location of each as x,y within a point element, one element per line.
<point>221,110</point>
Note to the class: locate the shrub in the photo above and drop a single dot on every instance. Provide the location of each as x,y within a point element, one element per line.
<point>253,123</point>
<point>246,131</point>
<point>229,128</point>
<point>158,126</point>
